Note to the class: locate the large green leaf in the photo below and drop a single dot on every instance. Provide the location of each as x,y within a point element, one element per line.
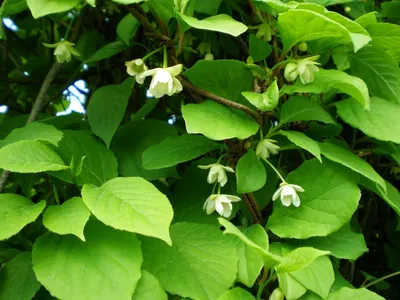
<point>209,7</point>
<point>175,150</point>
<point>379,70</point>
<point>385,35</point>
<point>131,204</point>
<point>13,7</point>
<point>106,266</point>
<point>348,159</point>
<point>258,49</point>
<point>107,108</point>
<point>201,264</point>
<point>99,164</point>
<point>17,280</point>
<point>225,78</point>
<point>130,142</point>
<point>343,243</point>
<point>331,197</point>
<point>354,294</point>
<point>33,132</point>
<point>236,294</point>
<point>106,51</point>
<point>30,157</point>
<point>16,212</point>
<point>326,80</point>
<point>392,195</point>
<point>299,108</point>
<point>127,28</point>
<point>218,122</point>
<point>149,288</point>
<point>40,8</point>
<point>250,173</point>
<point>303,141</point>
<point>220,23</point>
<point>381,122</point>
<point>68,218</point>
<point>250,261</point>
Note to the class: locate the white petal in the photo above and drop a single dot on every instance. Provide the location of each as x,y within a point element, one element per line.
<point>177,85</point>
<point>287,190</point>
<point>227,210</point>
<point>222,178</point>
<point>205,167</point>
<point>286,200</point>
<point>297,187</point>
<point>219,207</point>
<point>151,72</point>
<point>175,70</point>
<point>277,194</point>
<point>296,201</point>
<point>233,198</point>
<point>229,169</point>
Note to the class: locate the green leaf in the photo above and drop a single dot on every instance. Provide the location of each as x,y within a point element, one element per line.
<point>40,8</point>
<point>274,6</point>
<point>106,266</point>
<point>107,51</point>
<point>348,159</point>
<point>354,294</point>
<point>385,35</point>
<point>16,212</point>
<point>33,132</point>
<point>391,197</point>
<point>299,259</point>
<point>329,189</point>
<point>127,28</point>
<point>220,23</point>
<point>343,243</point>
<point>13,7</point>
<point>367,19</point>
<point>381,122</point>
<point>201,264</point>
<point>149,288</point>
<point>380,72</point>
<point>164,9</point>
<point>225,78</point>
<point>325,80</point>
<point>17,280</point>
<point>258,49</point>
<point>30,157</point>
<point>69,218</point>
<point>266,101</point>
<point>250,173</point>
<point>175,150</point>
<point>250,261</point>
<point>130,142</point>
<point>127,1</point>
<point>107,108</point>
<point>303,141</point>
<point>299,108</point>
<point>209,7</point>
<point>218,122</point>
<point>391,9</point>
<point>99,164</point>
<point>236,294</point>
<point>131,204</point>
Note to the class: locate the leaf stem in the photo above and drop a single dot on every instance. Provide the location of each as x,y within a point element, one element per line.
<point>381,279</point>
<point>262,286</point>
<point>165,63</point>
<point>151,54</point>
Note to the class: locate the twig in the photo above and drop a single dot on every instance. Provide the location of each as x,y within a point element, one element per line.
<point>381,279</point>
<point>220,99</point>
<point>51,75</point>
<point>254,10</point>
<point>254,216</point>
<point>255,206</point>
<point>133,9</point>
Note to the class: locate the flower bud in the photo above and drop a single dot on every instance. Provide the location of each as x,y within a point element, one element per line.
<point>347,9</point>
<point>302,46</point>
<point>291,72</point>
<point>277,294</point>
<point>209,56</point>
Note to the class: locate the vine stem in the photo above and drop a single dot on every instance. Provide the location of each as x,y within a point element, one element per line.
<point>381,279</point>
<point>275,169</point>
<point>221,100</point>
<point>263,285</point>
<point>40,99</point>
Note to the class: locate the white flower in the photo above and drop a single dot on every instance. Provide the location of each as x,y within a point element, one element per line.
<point>217,173</point>
<point>221,203</point>
<point>288,194</point>
<point>164,81</point>
<point>63,51</point>
<point>305,69</point>
<point>277,294</point>
<point>136,68</point>
<point>266,147</point>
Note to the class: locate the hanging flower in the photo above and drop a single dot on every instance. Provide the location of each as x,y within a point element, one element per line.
<point>266,147</point>
<point>217,173</point>
<point>136,68</point>
<point>264,32</point>
<point>288,194</point>
<point>221,203</point>
<point>164,81</point>
<point>305,69</point>
<point>64,51</point>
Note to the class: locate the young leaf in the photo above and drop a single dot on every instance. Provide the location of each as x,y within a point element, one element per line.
<point>220,23</point>
<point>149,288</point>
<point>106,51</point>
<point>30,157</point>
<point>202,264</point>
<point>17,211</point>
<point>131,204</point>
<point>299,108</point>
<point>40,8</point>
<point>250,173</point>
<point>107,108</point>
<point>328,189</point>
<point>127,28</point>
<point>361,294</point>
<point>69,218</point>
<point>106,266</point>
<point>266,101</point>
<point>380,123</point>
<point>218,122</point>
<point>236,294</point>
<point>17,280</point>
<point>175,150</point>
<point>303,141</point>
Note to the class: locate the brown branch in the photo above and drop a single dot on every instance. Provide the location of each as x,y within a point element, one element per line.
<point>135,11</point>
<point>255,206</point>
<point>221,100</point>
<point>51,75</point>
<point>254,217</point>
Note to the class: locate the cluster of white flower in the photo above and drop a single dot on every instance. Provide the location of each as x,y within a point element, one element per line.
<point>304,69</point>
<point>163,81</point>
